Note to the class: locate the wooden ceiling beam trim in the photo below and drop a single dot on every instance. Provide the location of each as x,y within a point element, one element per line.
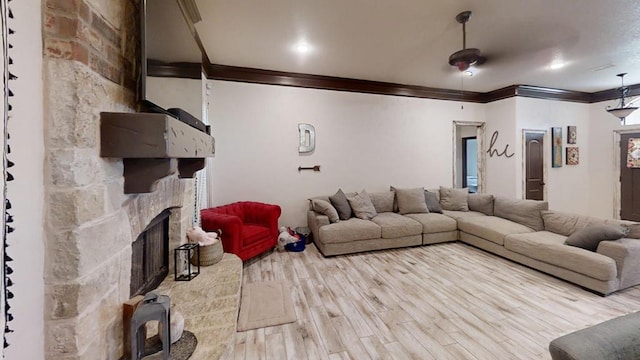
<point>271,77</point>
<point>179,70</point>
<point>233,73</point>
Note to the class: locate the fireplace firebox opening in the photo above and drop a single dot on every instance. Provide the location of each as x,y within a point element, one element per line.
<point>150,256</point>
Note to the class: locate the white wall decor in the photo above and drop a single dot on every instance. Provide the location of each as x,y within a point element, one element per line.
<point>307,138</point>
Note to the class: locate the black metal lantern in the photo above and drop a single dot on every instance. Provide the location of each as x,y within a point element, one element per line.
<point>190,271</point>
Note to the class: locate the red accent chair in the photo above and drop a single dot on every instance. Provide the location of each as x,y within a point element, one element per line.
<point>248,228</point>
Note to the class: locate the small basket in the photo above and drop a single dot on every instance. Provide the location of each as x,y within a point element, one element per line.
<point>209,254</point>
<point>296,246</point>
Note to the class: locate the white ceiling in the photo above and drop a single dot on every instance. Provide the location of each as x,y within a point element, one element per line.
<point>409,41</point>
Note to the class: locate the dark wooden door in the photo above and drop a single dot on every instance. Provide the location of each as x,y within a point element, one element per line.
<point>629,182</point>
<point>534,164</point>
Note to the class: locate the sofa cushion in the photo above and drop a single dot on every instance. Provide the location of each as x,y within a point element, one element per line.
<point>549,247</point>
<point>589,237</point>
<point>325,208</point>
<point>253,233</point>
<point>395,225</point>
<point>454,199</point>
<point>411,201</point>
<point>383,200</point>
<point>525,212</point>
<point>340,202</point>
<point>491,228</point>
<point>349,230</point>
<point>461,214</point>
<point>434,223</point>
<point>362,206</point>
<point>481,202</point>
<point>433,203</point>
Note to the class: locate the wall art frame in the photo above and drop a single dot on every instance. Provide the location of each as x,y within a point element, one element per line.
<point>556,147</point>
<point>572,134</point>
<point>573,155</point>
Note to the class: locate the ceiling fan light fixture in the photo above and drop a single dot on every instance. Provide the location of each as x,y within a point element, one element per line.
<point>463,59</point>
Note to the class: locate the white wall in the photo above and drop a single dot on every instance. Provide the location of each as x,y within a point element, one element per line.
<point>373,141</point>
<point>567,186</point>
<point>177,93</point>
<point>501,172</point>
<point>363,141</point>
<point>26,244</point>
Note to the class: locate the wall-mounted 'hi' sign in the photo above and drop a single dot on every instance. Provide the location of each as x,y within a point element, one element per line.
<point>492,151</point>
<point>307,138</point>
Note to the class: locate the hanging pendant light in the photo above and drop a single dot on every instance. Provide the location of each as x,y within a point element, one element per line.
<point>622,110</point>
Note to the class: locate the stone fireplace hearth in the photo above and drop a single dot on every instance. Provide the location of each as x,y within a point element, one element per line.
<point>86,309</point>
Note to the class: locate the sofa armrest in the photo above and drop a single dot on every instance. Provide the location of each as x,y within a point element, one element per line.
<point>230,225</point>
<point>613,339</point>
<point>626,253</point>
<point>315,221</point>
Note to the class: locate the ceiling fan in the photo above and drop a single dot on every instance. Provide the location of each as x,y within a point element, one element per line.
<point>463,59</point>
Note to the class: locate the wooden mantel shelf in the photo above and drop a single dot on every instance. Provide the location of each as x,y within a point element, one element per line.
<point>152,146</point>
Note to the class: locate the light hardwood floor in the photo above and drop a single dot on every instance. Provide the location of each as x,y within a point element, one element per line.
<point>447,301</point>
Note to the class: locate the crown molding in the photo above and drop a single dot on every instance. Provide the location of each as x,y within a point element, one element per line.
<point>283,78</point>
<point>259,76</point>
<point>613,94</point>
<point>178,70</point>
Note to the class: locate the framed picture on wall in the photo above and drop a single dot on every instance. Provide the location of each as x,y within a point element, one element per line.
<point>573,155</point>
<point>572,135</point>
<point>556,147</point>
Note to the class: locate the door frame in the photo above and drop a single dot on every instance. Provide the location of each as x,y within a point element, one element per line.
<point>480,131</point>
<point>545,155</point>
<point>617,187</point>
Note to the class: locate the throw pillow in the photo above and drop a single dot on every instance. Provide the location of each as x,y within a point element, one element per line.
<point>481,202</point>
<point>383,200</point>
<point>589,237</point>
<point>633,231</point>
<point>325,208</point>
<point>340,202</point>
<point>411,201</point>
<point>454,199</point>
<point>433,204</point>
<point>362,206</point>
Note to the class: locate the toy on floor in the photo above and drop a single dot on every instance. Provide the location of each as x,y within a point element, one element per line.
<point>287,236</point>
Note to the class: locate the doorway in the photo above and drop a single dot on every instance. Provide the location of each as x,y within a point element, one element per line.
<point>470,163</point>
<point>629,179</point>
<point>534,164</point>
<point>468,155</point>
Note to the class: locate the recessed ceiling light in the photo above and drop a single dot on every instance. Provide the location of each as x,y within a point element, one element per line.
<point>556,65</point>
<point>302,48</point>
<point>468,73</point>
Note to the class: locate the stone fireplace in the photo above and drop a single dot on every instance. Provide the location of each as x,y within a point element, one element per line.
<point>90,223</point>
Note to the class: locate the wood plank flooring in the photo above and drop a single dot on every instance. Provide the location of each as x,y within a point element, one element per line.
<point>446,301</point>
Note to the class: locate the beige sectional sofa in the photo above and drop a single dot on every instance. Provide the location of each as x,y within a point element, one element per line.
<point>524,231</point>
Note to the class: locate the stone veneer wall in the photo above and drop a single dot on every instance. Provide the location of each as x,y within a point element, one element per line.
<point>90,52</point>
